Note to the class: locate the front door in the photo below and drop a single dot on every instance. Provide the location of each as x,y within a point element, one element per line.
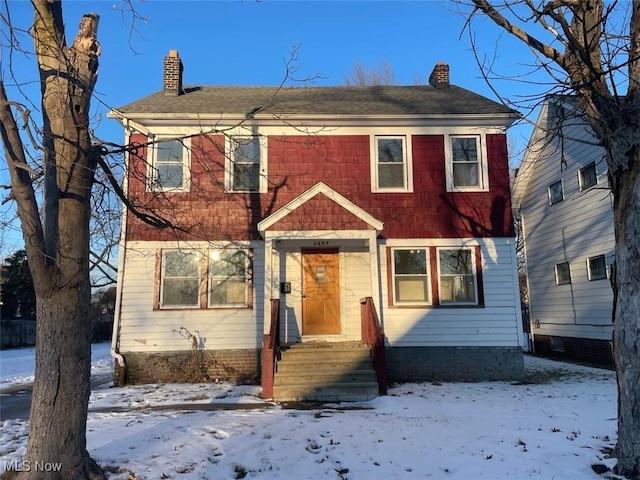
<point>320,292</point>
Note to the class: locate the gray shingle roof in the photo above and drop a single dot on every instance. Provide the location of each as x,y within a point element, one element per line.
<point>342,100</point>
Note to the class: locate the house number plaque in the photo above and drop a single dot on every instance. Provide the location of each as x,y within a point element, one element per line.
<point>321,243</point>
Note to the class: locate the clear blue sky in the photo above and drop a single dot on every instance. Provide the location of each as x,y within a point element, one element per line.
<point>247,42</point>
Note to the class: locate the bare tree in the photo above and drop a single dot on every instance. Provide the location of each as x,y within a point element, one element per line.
<point>361,75</point>
<point>57,243</point>
<point>591,49</point>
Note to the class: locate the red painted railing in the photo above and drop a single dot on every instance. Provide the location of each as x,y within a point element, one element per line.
<point>373,336</point>
<point>270,344</point>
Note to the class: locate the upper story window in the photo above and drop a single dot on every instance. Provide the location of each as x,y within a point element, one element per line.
<point>563,273</point>
<point>556,193</point>
<point>587,176</point>
<point>410,277</point>
<point>465,164</point>
<point>391,164</point>
<point>180,279</point>
<point>457,280</point>
<point>597,267</point>
<point>169,165</point>
<point>246,164</point>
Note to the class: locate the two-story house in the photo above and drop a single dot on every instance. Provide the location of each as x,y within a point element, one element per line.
<point>562,194</point>
<point>296,209</point>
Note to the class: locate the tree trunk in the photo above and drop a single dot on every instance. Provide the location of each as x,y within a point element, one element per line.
<point>626,337</point>
<point>57,438</point>
<point>59,259</point>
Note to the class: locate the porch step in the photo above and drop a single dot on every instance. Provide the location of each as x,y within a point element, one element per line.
<point>325,371</point>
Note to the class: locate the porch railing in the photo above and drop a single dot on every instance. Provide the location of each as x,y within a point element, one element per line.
<point>373,336</point>
<point>270,344</point>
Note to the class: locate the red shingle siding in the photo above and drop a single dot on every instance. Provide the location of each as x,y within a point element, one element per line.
<point>342,162</point>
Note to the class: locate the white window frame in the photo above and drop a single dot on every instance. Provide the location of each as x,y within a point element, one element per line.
<point>556,269</point>
<point>483,173</point>
<point>474,274</point>
<point>229,163</point>
<point>152,158</point>
<point>551,201</point>
<point>247,278</point>
<point>426,275</point>
<point>590,261</point>
<point>407,164</point>
<point>581,177</point>
<point>162,305</point>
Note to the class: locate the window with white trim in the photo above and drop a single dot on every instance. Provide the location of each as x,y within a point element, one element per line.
<point>391,168</point>
<point>228,285</point>
<point>180,279</point>
<point>410,277</point>
<point>563,273</point>
<point>465,163</point>
<point>587,176</point>
<point>597,267</point>
<point>556,193</point>
<point>246,164</point>
<point>169,166</point>
<point>457,281</point>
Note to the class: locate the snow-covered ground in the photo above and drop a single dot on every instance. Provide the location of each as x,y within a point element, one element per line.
<point>555,426</point>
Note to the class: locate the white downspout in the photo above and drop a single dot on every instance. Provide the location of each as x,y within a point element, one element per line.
<point>122,246</point>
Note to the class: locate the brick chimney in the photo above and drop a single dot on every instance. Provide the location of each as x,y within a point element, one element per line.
<point>440,75</point>
<point>172,75</point>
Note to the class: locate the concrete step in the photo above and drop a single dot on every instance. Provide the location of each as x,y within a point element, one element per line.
<point>288,364</point>
<point>322,377</point>
<point>324,371</point>
<point>355,392</point>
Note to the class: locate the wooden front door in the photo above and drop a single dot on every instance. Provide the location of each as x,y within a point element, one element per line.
<point>320,292</point>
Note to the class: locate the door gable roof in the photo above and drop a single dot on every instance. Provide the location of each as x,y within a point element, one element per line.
<point>320,208</point>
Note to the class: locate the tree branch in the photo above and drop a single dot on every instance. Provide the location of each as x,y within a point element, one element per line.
<point>530,40</point>
<point>21,183</point>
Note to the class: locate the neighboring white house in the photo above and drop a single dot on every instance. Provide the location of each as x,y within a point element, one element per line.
<point>562,193</point>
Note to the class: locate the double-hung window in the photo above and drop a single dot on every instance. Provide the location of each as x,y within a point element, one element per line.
<point>246,164</point>
<point>228,285</point>
<point>597,267</point>
<point>457,280</point>
<point>556,193</point>
<point>466,166</point>
<point>169,166</point>
<point>587,176</point>
<point>391,170</point>
<point>180,282</point>
<point>563,273</point>
<point>410,277</point>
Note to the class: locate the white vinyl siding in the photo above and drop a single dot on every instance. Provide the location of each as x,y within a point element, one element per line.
<point>571,231</point>
<point>145,329</point>
<point>496,323</point>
